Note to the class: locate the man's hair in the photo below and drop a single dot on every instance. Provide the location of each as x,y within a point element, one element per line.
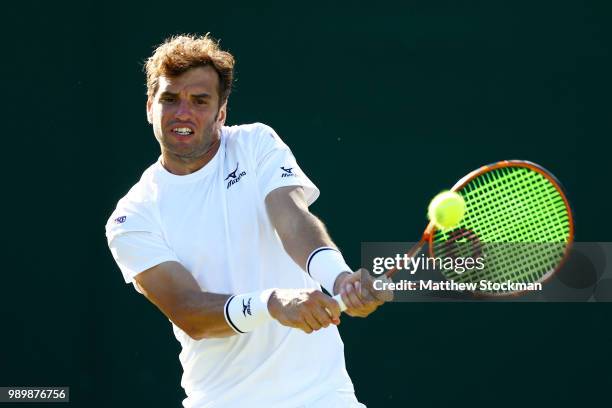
<point>179,54</point>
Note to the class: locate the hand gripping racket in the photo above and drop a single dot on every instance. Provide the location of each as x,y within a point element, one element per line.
<point>517,216</point>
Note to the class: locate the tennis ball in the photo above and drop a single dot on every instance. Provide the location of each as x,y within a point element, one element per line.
<point>446,210</point>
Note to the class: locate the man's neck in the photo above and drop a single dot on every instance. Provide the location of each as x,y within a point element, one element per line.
<point>182,167</point>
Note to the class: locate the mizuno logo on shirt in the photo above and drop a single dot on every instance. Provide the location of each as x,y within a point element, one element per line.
<point>120,220</point>
<point>233,178</point>
<point>246,307</point>
<point>287,172</point>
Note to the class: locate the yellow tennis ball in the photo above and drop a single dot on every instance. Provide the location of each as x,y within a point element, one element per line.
<point>446,210</point>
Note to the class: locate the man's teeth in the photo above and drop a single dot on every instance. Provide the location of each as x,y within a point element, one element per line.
<point>183,131</point>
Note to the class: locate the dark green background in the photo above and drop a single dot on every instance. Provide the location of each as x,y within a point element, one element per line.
<point>383,105</point>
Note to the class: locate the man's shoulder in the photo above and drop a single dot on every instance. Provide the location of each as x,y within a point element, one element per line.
<point>248,133</point>
<point>140,199</point>
<point>253,137</point>
<point>145,190</point>
<point>247,129</point>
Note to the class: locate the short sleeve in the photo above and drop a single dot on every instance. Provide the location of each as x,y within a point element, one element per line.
<point>277,167</point>
<point>135,239</point>
<point>136,252</point>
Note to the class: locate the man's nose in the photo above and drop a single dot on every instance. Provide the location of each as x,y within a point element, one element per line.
<point>183,111</point>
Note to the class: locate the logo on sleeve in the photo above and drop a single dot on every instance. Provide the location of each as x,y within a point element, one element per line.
<point>287,172</point>
<point>233,178</point>
<point>246,307</point>
<point>120,220</point>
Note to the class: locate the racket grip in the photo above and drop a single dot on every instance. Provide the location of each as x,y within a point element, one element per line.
<point>338,299</point>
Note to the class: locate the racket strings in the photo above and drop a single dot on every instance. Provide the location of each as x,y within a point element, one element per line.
<point>515,208</point>
<point>516,219</point>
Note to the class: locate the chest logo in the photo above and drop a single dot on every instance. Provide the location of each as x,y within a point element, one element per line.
<point>232,178</point>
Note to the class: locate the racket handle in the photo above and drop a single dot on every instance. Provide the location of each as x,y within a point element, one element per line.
<point>338,299</point>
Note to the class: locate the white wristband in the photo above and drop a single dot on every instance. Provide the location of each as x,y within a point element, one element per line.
<point>244,313</point>
<point>324,265</point>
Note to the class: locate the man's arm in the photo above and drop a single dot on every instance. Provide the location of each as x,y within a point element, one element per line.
<point>202,314</point>
<point>173,289</point>
<point>299,230</point>
<point>302,233</point>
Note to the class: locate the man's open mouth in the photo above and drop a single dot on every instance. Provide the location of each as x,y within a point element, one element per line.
<point>182,131</point>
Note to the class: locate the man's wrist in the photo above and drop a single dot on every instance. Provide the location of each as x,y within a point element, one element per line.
<point>339,281</point>
<point>246,312</point>
<point>324,265</point>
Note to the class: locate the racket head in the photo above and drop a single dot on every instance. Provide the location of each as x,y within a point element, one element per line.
<point>517,216</point>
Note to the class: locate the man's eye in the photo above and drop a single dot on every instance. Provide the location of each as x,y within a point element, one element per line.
<point>167,99</point>
<point>201,101</point>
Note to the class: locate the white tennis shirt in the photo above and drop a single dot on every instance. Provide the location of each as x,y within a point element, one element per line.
<point>214,222</point>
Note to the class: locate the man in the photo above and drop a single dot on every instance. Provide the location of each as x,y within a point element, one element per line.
<point>218,235</point>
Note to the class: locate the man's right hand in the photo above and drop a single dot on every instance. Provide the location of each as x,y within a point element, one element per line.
<point>305,309</point>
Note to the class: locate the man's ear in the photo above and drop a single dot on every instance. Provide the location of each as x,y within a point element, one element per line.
<point>149,114</point>
<point>222,115</point>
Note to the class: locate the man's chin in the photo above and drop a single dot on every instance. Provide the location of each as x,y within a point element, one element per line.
<point>188,150</point>
<point>184,152</point>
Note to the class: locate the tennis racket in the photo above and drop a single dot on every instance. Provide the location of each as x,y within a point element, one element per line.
<point>517,216</point>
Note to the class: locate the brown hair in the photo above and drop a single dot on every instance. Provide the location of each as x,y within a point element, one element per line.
<point>180,53</point>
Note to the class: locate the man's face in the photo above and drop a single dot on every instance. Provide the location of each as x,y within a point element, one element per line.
<point>185,114</point>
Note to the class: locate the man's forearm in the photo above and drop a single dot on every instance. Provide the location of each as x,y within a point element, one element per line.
<point>175,292</point>
<point>224,315</point>
<point>201,315</point>
<point>305,234</point>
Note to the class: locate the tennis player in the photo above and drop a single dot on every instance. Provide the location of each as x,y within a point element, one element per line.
<point>218,235</point>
